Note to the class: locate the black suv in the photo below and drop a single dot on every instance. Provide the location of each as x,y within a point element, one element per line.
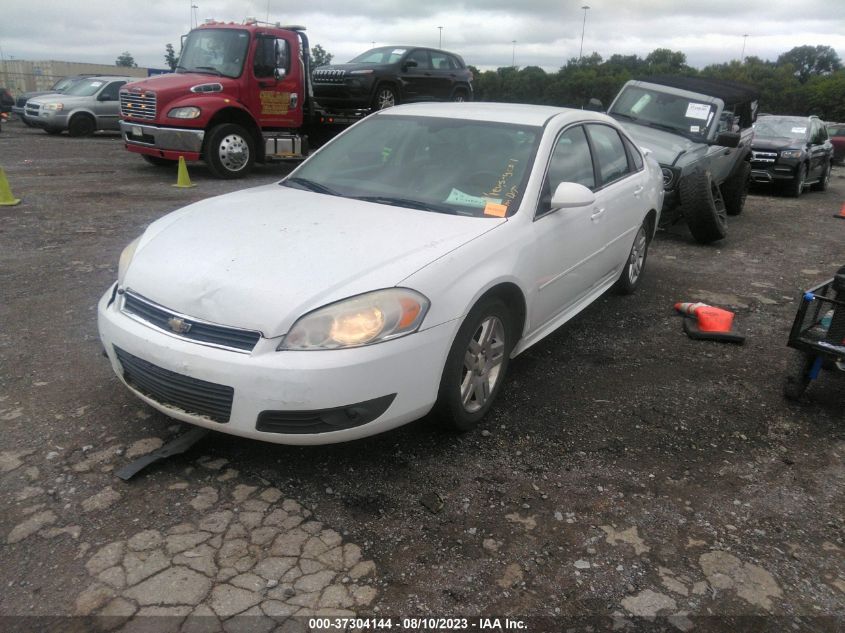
<point>792,150</point>
<point>385,76</point>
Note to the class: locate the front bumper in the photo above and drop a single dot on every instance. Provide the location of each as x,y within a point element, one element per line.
<point>267,385</point>
<point>48,119</point>
<point>164,142</point>
<point>349,94</point>
<point>770,171</point>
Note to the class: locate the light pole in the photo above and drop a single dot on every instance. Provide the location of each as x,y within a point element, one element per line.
<point>583,26</point>
<point>440,41</point>
<point>194,15</point>
<point>513,54</point>
<point>742,57</point>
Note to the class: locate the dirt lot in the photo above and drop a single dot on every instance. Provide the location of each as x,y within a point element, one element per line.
<point>626,472</point>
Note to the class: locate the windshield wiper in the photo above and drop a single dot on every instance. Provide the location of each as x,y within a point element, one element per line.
<point>663,126</point>
<point>209,69</point>
<point>308,185</point>
<point>623,116</point>
<point>408,203</point>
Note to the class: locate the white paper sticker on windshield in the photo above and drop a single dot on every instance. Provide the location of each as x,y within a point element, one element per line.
<point>799,130</point>
<point>456,196</point>
<point>698,111</point>
<point>695,129</point>
<point>96,84</point>
<point>397,51</point>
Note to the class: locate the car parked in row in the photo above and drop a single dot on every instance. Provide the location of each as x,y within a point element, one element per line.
<point>396,271</point>
<point>385,76</point>
<point>836,132</point>
<point>791,151</point>
<point>86,106</point>
<point>58,87</point>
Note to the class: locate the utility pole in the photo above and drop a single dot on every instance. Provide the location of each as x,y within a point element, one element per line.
<point>742,57</point>
<point>513,54</point>
<point>194,16</point>
<point>583,26</point>
<point>440,42</point>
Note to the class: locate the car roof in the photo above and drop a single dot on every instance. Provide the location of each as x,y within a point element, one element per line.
<point>516,113</point>
<point>731,92</point>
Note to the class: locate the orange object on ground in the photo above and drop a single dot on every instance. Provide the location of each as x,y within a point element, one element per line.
<point>841,214</point>
<point>712,319</point>
<point>705,322</point>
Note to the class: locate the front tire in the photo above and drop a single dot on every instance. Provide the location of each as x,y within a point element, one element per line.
<point>824,180</point>
<point>703,207</point>
<point>796,186</point>
<point>735,189</point>
<point>229,151</point>
<point>81,125</point>
<point>476,365</point>
<point>385,97</point>
<point>797,374</point>
<point>634,268</point>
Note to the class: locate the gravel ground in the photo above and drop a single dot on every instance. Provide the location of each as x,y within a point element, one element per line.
<point>627,471</point>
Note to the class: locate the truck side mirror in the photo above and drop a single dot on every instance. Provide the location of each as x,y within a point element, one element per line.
<point>279,73</point>
<point>728,139</point>
<point>595,105</point>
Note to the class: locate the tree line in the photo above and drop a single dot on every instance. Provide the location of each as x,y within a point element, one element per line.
<point>802,81</point>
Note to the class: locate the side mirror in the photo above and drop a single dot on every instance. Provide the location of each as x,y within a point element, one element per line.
<point>595,105</point>
<point>728,139</point>
<point>410,64</point>
<point>105,97</point>
<point>571,195</point>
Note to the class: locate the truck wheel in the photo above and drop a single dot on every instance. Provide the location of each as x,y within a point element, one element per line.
<point>824,180</point>
<point>385,97</point>
<point>796,186</point>
<point>735,189</point>
<point>229,151</point>
<point>158,161</point>
<point>703,207</point>
<point>476,365</point>
<point>797,367</point>
<point>81,125</point>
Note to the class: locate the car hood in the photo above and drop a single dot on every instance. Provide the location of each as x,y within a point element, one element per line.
<point>69,101</point>
<point>665,146</point>
<point>773,143</point>
<point>261,258</point>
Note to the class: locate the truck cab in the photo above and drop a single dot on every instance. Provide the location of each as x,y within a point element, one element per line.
<point>240,94</point>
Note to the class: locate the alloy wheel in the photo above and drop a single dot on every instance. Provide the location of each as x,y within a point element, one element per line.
<point>482,363</point>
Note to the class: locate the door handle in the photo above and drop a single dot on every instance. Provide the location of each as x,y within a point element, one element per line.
<point>597,213</point>
<point>638,190</point>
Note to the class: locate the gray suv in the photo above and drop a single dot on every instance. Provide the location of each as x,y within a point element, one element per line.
<point>88,105</point>
<point>700,131</point>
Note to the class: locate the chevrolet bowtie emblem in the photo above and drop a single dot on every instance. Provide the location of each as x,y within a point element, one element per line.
<point>179,326</point>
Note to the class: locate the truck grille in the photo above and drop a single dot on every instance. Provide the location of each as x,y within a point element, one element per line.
<point>188,328</point>
<point>328,76</point>
<point>192,395</point>
<point>138,105</point>
<point>763,157</point>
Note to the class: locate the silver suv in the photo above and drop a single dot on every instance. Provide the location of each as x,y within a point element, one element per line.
<point>88,105</point>
<point>700,131</point>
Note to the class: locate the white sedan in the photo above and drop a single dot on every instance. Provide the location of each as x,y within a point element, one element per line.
<point>395,272</point>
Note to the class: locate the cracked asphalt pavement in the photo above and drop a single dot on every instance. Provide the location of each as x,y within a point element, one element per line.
<point>629,477</point>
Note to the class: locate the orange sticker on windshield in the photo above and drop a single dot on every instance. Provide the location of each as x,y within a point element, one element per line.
<point>496,210</point>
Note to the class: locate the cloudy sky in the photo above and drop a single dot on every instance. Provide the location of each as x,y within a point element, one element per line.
<point>547,32</point>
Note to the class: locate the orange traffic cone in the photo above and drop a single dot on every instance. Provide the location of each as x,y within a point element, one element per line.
<point>706,322</point>
<point>841,214</point>
<point>183,180</point>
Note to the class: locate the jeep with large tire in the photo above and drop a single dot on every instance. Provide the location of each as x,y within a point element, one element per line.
<point>700,131</point>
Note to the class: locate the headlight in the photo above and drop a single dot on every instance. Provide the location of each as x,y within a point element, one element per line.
<point>363,320</point>
<point>791,153</point>
<point>53,106</point>
<point>189,112</point>
<point>361,72</point>
<point>125,259</point>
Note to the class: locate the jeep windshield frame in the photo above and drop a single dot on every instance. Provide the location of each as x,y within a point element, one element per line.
<point>673,113</point>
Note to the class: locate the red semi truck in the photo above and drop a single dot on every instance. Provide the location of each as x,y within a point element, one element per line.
<point>241,94</point>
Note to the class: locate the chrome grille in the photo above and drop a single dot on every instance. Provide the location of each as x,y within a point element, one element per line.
<point>32,109</point>
<point>763,157</point>
<point>169,388</point>
<point>138,105</point>
<point>191,329</point>
<point>328,75</point>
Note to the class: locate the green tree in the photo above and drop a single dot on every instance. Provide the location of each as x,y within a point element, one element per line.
<point>125,60</point>
<point>170,57</point>
<point>320,57</point>
<point>809,61</point>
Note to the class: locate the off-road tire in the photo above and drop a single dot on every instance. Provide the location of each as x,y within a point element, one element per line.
<point>451,410</point>
<point>703,207</point>
<point>735,189</point>
<point>824,179</point>
<point>795,187</point>
<point>158,161</point>
<point>229,151</point>
<point>798,366</point>
<point>82,125</point>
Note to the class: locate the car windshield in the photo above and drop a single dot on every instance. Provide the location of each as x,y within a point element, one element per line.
<point>383,55</point>
<point>214,51</point>
<point>777,127</point>
<point>85,87</point>
<point>62,84</point>
<point>456,166</point>
<point>663,110</point>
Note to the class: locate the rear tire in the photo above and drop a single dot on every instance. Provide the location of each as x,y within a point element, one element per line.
<point>703,207</point>
<point>229,151</point>
<point>476,365</point>
<point>81,125</point>
<point>735,189</point>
